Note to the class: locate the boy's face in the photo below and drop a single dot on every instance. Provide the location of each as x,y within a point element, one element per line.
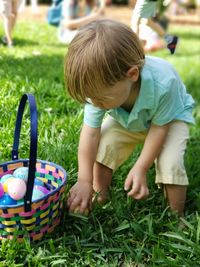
<point>115,96</point>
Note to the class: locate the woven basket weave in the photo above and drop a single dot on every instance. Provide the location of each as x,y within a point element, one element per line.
<point>32,219</point>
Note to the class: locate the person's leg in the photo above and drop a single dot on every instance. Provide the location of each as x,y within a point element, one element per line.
<point>9,19</point>
<point>15,6</point>
<point>102,181</point>
<point>176,196</point>
<point>34,6</point>
<point>7,30</point>
<point>170,169</point>
<point>6,11</point>
<point>156,27</point>
<point>116,145</point>
<point>171,40</point>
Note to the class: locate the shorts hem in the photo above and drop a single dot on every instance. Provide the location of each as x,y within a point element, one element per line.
<point>179,181</point>
<point>106,163</point>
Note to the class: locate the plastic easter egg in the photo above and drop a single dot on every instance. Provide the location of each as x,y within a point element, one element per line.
<point>16,188</point>
<point>5,177</point>
<point>38,182</point>
<point>5,173</point>
<point>20,201</point>
<point>5,184</point>
<point>6,200</point>
<point>37,194</point>
<point>21,173</point>
<point>42,188</point>
<point>1,190</point>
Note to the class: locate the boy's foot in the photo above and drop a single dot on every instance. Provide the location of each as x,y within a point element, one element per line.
<point>172,45</point>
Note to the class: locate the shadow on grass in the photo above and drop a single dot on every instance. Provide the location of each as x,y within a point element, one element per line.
<point>19,42</point>
<point>189,35</point>
<point>33,67</point>
<point>188,54</point>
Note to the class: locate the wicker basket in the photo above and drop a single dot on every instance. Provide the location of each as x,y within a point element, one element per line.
<point>32,219</point>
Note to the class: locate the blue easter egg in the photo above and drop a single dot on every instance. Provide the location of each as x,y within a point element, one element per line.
<point>5,177</point>
<point>37,194</point>
<point>21,173</point>
<point>6,200</point>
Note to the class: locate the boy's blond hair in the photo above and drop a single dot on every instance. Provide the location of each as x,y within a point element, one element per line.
<point>98,57</point>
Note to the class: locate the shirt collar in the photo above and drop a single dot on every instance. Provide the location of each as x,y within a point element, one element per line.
<point>146,95</point>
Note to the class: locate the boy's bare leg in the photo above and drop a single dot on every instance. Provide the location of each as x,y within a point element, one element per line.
<point>176,197</point>
<point>102,181</point>
<point>156,27</point>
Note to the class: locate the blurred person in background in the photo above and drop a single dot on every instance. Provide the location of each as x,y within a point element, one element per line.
<point>77,13</point>
<point>9,11</point>
<point>34,5</point>
<point>145,11</point>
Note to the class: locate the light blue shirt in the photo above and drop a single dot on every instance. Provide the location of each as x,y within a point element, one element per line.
<point>145,9</point>
<point>162,98</point>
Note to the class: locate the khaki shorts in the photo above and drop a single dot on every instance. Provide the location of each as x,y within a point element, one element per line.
<point>117,144</point>
<point>6,6</point>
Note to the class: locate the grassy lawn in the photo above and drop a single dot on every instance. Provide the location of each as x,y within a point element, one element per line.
<point>123,232</point>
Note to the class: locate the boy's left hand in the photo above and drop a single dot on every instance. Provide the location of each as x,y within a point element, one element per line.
<point>136,180</point>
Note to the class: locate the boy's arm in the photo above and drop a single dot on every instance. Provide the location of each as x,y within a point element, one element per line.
<point>136,178</point>
<point>81,192</point>
<point>74,24</point>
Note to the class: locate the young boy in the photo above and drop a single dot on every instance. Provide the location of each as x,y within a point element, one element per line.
<point>145,102</point>
<point>146,9</point>
<point>8,11</point>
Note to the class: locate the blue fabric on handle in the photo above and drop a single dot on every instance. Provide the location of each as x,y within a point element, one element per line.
<point>33,144</point>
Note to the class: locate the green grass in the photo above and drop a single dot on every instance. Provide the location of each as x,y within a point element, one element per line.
<point>123,232</point>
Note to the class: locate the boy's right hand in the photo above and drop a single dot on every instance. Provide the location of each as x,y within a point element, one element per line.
<point>80,195</point>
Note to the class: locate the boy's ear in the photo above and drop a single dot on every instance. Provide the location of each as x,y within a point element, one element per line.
<point>133,73</point>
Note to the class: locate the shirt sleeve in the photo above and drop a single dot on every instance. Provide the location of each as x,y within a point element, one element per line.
<point>93,116</point>
<point>170,104</point>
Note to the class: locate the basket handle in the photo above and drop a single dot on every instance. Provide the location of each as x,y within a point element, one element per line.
<point>33,144</point>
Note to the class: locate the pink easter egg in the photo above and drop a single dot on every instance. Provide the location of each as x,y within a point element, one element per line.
<point>17,188</point>
<point>1,190</point>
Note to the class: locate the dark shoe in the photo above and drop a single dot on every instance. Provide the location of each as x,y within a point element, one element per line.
<point>4,40</point>
<point>172,45</point>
